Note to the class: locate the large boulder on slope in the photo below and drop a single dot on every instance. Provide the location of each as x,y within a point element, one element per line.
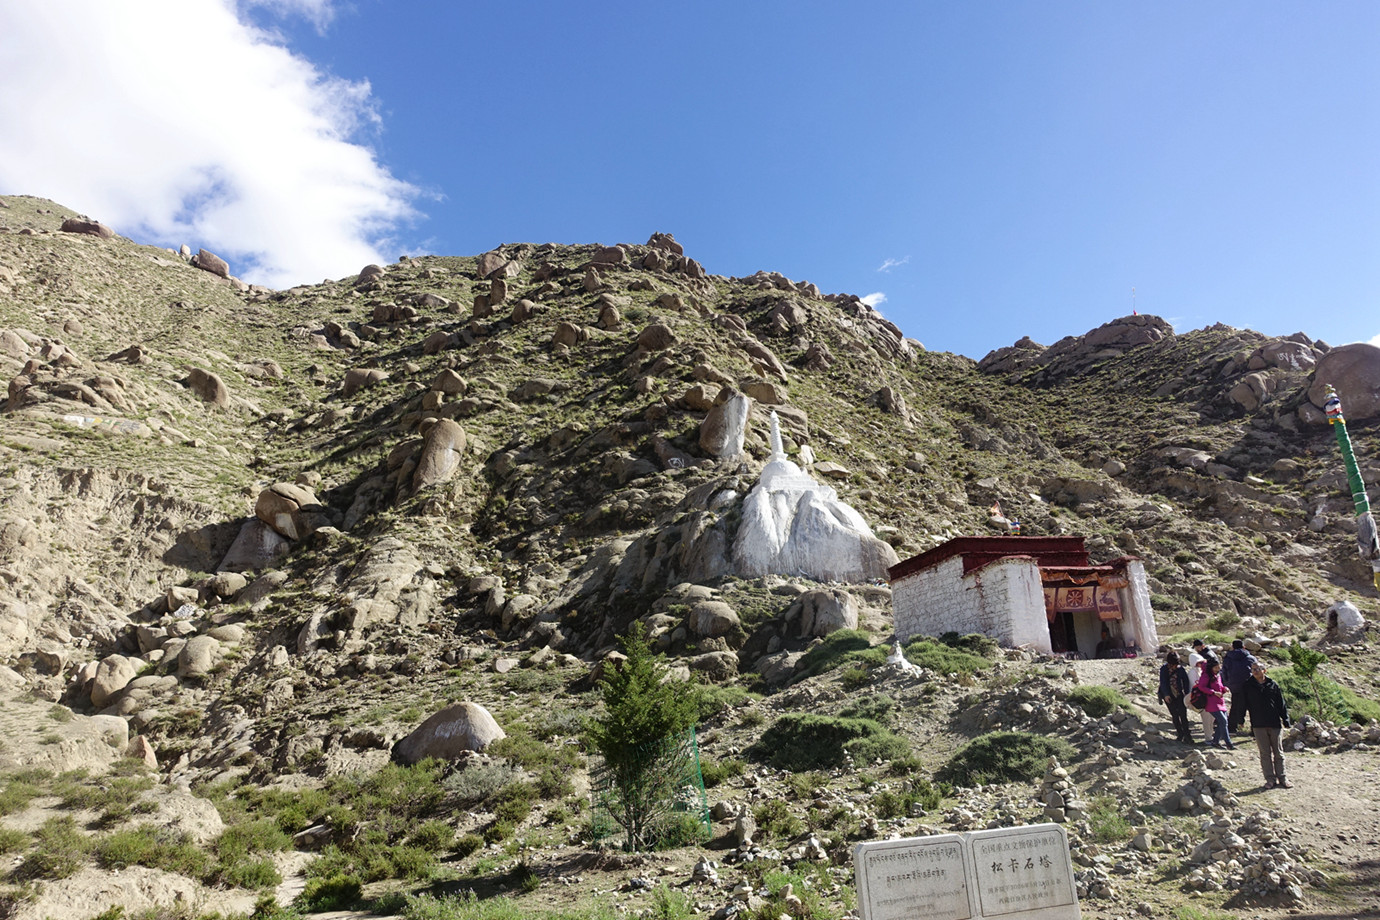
<point>455,730</point>
<point>1355,371</point>
<point>725,427</point>
<point>441,453</point>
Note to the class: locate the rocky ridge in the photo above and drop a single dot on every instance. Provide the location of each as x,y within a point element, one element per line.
<point>241,520</point>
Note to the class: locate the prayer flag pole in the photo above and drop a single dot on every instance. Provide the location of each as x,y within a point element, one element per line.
<point>1367,540</point>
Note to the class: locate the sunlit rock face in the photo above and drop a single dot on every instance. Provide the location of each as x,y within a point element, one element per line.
<point>793,525</point>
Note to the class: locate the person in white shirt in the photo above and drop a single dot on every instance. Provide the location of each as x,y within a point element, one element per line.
<point>1195,668</point>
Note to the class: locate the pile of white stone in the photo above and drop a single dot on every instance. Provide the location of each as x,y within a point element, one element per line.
<point>1060,796</point>
<point>1202,793</point>
<point>1254,858</point>
<point>1309,732</point>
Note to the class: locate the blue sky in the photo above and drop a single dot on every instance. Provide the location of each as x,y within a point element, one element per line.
<point>984,170</point>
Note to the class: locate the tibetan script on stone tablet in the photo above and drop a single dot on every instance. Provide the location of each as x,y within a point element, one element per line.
<point>1023,872</point>
<point>920,878</point>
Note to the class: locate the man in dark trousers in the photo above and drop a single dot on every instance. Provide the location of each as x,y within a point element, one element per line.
<point>1236,674</point>
<point>1269,718</point>
<point>1173,689</point>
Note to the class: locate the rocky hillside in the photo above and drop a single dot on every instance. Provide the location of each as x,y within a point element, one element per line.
<point>272,530</point>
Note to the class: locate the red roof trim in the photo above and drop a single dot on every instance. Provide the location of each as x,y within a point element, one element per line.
<point>978,552</point>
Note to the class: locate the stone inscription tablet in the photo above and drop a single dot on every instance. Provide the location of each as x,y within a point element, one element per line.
<point>918,878</point>
<point>1024,871</point>
<point>1018,873</point>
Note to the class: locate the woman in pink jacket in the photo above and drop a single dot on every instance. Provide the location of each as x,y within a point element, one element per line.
<point>1211,684</point>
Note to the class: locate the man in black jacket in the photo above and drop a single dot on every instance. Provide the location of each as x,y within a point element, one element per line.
<point>1269,717</point>
<point>1173,689</point>
<point>1236,674</point>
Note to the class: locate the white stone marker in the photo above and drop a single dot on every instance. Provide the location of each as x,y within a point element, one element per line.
<point>1022,873</point>
<point>916,878</point>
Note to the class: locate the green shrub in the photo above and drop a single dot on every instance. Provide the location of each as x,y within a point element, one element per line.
<point>776,821</point>
<point>433,836</point>
<point>803,741</point>
<point>16,794</point>
<point>480,782</point>
<point>529,753</point>
<point>153,847</point>
<point>877,707</point>
<point>59,850</point>
<point>514,803</point>
<point>919,791</point>
<point>973,643</point>
<point>1003,757</point>
<point>468,845</point>
<point>714,699</point>
<point>553,782</point>
<point>1222,621</point>
<point>1098,701</point>
<point>258,874</point>
<point>713,772</point>
<point>12,839</point>
<point>944,659</point>
<point>838,648</point>
<point>1107,823</point>
<point>336,892</point>
<point>1339,704</point>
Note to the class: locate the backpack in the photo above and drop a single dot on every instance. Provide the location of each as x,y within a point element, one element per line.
<point>1197,699</point>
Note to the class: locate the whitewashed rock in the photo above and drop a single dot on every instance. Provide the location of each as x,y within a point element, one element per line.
<point>793,525</point>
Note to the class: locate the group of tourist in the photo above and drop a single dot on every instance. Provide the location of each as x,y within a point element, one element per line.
<point>1240,675</point>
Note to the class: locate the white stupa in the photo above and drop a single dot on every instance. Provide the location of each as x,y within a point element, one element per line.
<point>793,525</point>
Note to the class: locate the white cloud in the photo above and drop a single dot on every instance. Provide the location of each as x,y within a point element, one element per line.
<point>1375,340</point>
<point>875,299</point>
<point>889,264</point>
<point>189,125</point>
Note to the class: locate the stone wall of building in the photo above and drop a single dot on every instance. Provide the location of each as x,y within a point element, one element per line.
<point>1003,600</point>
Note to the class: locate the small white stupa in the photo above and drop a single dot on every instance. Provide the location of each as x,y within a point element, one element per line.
<point>793,525</point>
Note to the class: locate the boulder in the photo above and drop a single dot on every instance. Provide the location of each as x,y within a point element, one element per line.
<point>656,337</point>
<point>610,255</point>
<point>1355,372</point>
<point>699,398</point>
<point>766,392</point>
<point>716,665</point>
<point>490,263</point>
<point>357,378</point>
<point>198,656</point>
<point>725,426</point>
<point>208,386</point>
<point>568,334</point>
<point>88,227</point>
<point>712,619</point>
<point>455,730</point>
<point>290,509</point>
<point>441,452</point>
<point>113,674</point>
<point>826,610</point>
<point>257,546</point>
<point>210,262</point>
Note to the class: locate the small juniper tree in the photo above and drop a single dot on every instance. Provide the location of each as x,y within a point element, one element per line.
<point>1306,662</point>
<point>641,736</point>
